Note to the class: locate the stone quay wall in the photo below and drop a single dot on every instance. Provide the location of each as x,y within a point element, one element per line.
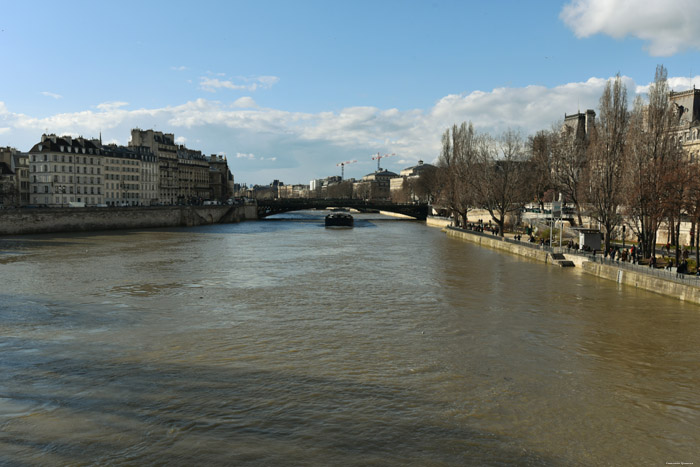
<point>51,220</point>
<point>643,281</point>
<point>496,243</point>
<point>632,278</point>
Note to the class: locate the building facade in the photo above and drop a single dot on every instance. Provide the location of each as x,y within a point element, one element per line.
<point>18,164</point>
<point>68,171</point>
<point>64,170</point>
<point>687,107</point>
<point>164,147</point>
<point>193,176</point>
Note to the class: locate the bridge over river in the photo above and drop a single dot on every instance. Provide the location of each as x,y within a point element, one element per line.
<point>278,206</point>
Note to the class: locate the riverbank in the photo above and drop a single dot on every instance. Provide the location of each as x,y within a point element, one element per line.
<point>613,272</point>
<point>54,220</point>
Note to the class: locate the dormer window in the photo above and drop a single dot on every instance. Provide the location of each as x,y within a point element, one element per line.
<point>61,148</point>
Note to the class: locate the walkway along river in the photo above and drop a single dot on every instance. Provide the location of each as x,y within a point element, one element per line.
<point>283,343</point>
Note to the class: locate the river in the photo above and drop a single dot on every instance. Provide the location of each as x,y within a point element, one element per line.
<point>280,342</point>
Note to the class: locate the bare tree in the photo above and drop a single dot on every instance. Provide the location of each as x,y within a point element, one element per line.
<point>606,158</point>
<point>424,187</point>
<point>656,172</point>
<point>502,181</point>
<point>455,163</point>
<point>541,150</point>
<point>569,160</point>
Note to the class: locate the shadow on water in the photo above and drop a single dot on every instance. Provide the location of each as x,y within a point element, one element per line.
<point>107,404</point>
<point>181,414</point>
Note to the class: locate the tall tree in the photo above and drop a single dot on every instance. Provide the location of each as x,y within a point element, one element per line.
<point>656,172</point>
<point>569,160</point>
<point>606,158</point>
<point>541,150</point>
<point>502,181</point>
<point>455,163</point>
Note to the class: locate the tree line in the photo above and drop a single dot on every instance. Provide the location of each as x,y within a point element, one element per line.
<point>628,169</point>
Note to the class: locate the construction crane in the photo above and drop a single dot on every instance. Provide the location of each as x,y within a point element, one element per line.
<point>342,167</point>
<point>378,157</point>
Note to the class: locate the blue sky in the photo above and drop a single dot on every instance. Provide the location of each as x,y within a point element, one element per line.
<point>287,89</point>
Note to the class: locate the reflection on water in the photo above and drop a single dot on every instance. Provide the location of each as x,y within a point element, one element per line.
<point>282,342</point>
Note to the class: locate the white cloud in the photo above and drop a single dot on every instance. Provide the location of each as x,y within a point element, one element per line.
<point>244,103</point>
<point>249,84</point>
<point>253,157</point>
<point>52,94</point>
<point>668,27</point>
<point>178,68</point>
<point>107,106</point>
<point>267,81</point>
<point>180,140</point>
<point>677,83</point>
<point>212,84</point>
<point>4,130</point>
<point>298,146</point>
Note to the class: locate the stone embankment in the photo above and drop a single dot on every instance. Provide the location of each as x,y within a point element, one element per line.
<point>51,220</point>
<point>619,274</point>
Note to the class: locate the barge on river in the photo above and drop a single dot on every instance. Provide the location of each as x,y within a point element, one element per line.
<point>340,220</point>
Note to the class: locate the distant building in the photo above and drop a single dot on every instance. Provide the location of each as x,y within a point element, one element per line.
<point>221,179</point>
<point>687,107</point>
<point>404,188</point>
<point>374,186</point>
<point>293,191</point>
<point>581,123</point>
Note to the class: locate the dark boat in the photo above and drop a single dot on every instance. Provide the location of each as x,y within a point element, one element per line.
<point>339,220</point>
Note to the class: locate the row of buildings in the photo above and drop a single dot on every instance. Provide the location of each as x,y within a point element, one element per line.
<point>151,170</point>
<point>381,185</point>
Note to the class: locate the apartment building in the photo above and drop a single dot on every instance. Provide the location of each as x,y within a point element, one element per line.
<point>64,170</point>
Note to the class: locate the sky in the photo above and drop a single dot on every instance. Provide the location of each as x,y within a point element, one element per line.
<point>287,90</point>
